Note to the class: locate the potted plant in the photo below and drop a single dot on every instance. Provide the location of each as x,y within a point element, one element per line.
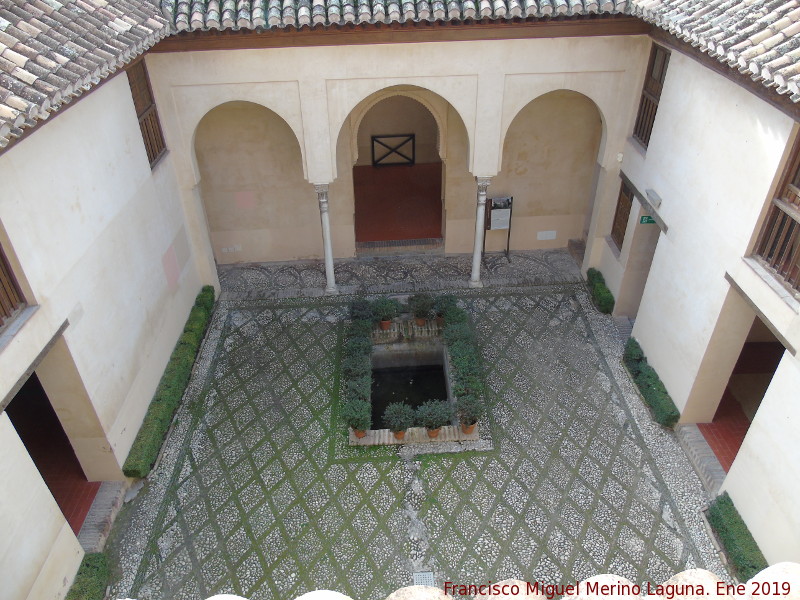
<point>433,415</point>
<point>470,410</point>
<point>421,306</point>
<point>357,414</point>
<point>398,417</point>
<point>443,304</point>
<point>384,310</point>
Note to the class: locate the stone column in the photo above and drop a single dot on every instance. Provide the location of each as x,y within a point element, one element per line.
<point>483,185</point>
<point>322,198</point>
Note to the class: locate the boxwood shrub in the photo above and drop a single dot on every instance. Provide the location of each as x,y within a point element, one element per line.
<point>357,414</point>
<point>633,356</point>
<point>170,389</point>
<point>465,359</point>
<point>92,578</point>
<point>356,409</point>
<point>603,298</point>
<point>433,414</point>
<point>593,277</point>
<point>740,547</point>
<point>655,395</point>
<point>459,332</point>
<point>601,295</point>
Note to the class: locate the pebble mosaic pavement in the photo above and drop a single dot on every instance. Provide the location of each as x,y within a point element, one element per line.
<point>258,494</point>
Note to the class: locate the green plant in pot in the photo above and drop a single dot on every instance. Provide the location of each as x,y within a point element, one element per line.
<point>433,415</point>
<point>357,414</point>
<point>421,306</point>
<point>398,417</point>
<point>470,410</point>
<point>443,304</point>
<point>384,310</point>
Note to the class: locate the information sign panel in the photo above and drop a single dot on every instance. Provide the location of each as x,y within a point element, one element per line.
<point>500,213</point>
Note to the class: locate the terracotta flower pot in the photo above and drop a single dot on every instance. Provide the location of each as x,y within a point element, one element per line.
<point>399,435</point>
<point>467,429</point>
<point>420,321</point>
<point>434,433</point>
<point>385,325</point>
<point>359,433</point>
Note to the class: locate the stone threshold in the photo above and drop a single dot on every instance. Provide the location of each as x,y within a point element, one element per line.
<point>415,435</point>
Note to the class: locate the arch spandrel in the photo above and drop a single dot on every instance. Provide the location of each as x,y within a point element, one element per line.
<point>435,105</point>
<point>353,98</point>
<point>522,90</point>
<point>281,98</point>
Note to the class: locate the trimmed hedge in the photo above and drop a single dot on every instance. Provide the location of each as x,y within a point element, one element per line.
<point>740,547</point>
<point>601,295</point>
<point>655,395</point>
<point>593,277</point>
<point>464,356</point>
<point>92,578</point>
<point>170,389</point>
<point>633,356</point>
<point>356,409</point>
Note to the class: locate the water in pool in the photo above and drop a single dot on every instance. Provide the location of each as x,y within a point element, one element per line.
<point>412,385</point>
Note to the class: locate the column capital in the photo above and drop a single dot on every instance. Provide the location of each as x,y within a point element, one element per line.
<point>483,184</point>
<point>322,196</point>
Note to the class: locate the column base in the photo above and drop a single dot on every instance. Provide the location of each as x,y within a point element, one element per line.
<point>331,291</point>
<point>475,284</point>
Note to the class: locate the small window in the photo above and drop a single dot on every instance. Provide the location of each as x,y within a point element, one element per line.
<point>621,215</point>
<point>651,94</point>
<point>146,112</point>
<point>11,299</point>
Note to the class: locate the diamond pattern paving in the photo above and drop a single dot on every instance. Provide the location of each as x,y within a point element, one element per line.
<point>258,493</point>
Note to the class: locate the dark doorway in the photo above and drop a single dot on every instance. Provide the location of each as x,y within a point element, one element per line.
<point>398,202</point>
<point>43,436</point>
<point>746,387</point>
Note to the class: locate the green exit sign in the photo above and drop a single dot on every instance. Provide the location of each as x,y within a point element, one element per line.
<point>647,220</point>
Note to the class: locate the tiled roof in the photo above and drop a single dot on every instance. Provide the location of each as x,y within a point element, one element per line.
<point>760,38</point>
<point>191,15</point>
<point>51,50</point>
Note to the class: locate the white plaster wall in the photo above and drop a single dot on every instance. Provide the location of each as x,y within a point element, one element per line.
<point>39,554</point>
<point>764,480</point>
<point>549,157</point>
<point>101,241</point>
<point>713,170</point>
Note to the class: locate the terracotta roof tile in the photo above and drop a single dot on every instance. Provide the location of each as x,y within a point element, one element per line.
<point>52,51</point>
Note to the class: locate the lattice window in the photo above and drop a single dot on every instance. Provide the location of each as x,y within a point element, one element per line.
<point>146,111</point>
<point>11,299</point>
<point>651,94</point>
<point>621,215</point>
<point>399,149</point>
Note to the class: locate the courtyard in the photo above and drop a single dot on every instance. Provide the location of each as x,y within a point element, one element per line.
<point>258,493</point>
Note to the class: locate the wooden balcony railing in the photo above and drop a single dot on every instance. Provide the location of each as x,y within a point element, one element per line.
<point>779,243</point>
<point>11,300</point>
